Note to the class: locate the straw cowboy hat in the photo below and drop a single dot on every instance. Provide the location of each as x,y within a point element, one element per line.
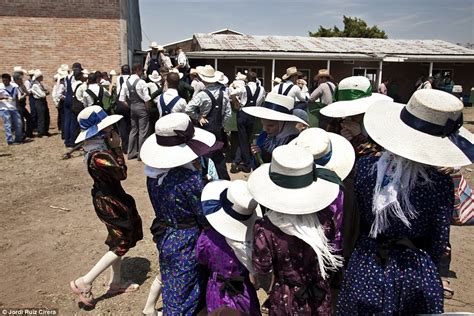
<point>176,142</point>
<point>292,183</point>
<point>207,74</point>
<point>180,74</point>
<point>37,74</point>
<point>276,107</point>
<point>193,71</point>
<point>85,73</point>
<point>154,45</point>
<point>56,77</point>
<point>240,76</point>
<point>113,72</point>
<point>353,96</point>
<point>20,69</point>
<point>277,80</point>
<point>329,150</point>
<point>92,120</point>
<point>292,71</point>
<point>31,72</point>
<point>154,76</point>
<point>323,73</point>
<point>222,77</point>
<point>230,209</point>
<point>427,130</point>
<point>64,67</point>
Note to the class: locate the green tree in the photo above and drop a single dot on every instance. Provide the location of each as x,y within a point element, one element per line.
<point>353,27</point>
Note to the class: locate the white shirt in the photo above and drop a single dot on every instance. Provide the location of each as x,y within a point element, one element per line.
<point>169,95</point>
<point>38,90</point>
<point>242,94</point>
<point>87,99</point>
<point>182,60</point>
<point>141,88</point>
<point>152,87</point>
<point>58,92</point>
<point>382,89</point>
<point>28,83</point>
<point>295,92</point>
<point>10,92</point>
<point>80,90</point>
<point>125,77</point>
<point>198,86</point>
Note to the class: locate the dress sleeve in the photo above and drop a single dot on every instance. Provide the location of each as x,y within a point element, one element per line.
<point>334,232</point>
<point>443,205</point>
<point>262,249</point>
<point>109,165</point>
<point>202,256</point>
<point>193,195</point>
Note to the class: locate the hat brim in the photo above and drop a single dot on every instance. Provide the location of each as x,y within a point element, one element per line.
<point>158,156</point>
<point>153,79</point>
<point>269,114</point>
<point>208,79</point>
<point>109,120</point>
<point>384,125</point>
<point>224,81</point>
<point>223,223</point>
<point>313,198</point>
<point>343,155</point>
<point>324,76</point>
<point>354,107</point>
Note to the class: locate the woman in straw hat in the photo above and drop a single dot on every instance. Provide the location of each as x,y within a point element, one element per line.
<point>174,186</point>
<point>292,240</point>
<point>406,205</point>
<point>225,248</point>
<point>114,207</point>
<point>278,124</point>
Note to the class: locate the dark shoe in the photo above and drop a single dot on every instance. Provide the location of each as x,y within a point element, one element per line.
<point>234,168</point>
<point>244,168</point>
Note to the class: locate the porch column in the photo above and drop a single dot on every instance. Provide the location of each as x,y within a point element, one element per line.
<point>379,75</point>
<point>431,69</point>
<point>215,63</point>
<point>273,69</point>
<point>328,65</point>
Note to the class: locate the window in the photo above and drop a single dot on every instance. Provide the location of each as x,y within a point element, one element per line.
<point>260,71</point>
<point>370,73</point>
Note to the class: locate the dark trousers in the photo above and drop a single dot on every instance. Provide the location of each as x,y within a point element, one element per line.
<point>123,127</point>
<point>42,112</point>
<point>245,125</point>
<point>219,159</point>
<point>70,126</point>
<point>27,123</point>
<point>59,120</point>
<point>33,114</point>
<point>139,129</point>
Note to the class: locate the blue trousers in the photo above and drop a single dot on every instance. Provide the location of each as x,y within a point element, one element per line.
<point>70,126</point>
<point>12,122</point>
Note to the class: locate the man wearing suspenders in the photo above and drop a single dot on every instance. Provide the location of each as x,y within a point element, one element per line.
<point>169,101</point>
<point>211,109</point>
<point>251,94</point>
<point>70,124</point>
<point>289,87</point>
<point>136,91</point>
<point>324,91</point>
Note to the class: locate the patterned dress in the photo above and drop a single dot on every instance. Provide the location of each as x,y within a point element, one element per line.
<point>115,208</point>
<point>176,228</point>
<point>396,273</point>
<point>298,288</point>
<point>214,252</point>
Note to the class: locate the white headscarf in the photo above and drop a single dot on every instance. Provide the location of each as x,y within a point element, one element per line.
<point>309,229</point>
<point>243,252</point>
<point>94,144</point>
<point>396,177</point>
<point>161,173</point>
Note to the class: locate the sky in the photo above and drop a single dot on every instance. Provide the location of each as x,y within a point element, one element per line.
<point>166,21</point>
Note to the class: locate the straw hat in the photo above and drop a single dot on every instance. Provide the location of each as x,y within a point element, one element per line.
<point>207,74</point>
<point>154,45</point>
<point>427,130</point>
<point>230,209</point>
<point>113,72</point>
<point>323,73</point>
<point>154,76</point>
<point>222,77</point>
<point>85,73</point>
<point>64,67</point>
<point>277,80</point>
<point>19,69</point>
<point>56,76</point>
<point>276,107</point>
<point>240,76</point>
<point>92,120</point>
<point>31,72</point>
<point>290,72</point>
<point>193,71</point>
<point>292,183</point>
<point>332,151</point>
<point>180,74</point>
<point>37,74</point>
<point>176,142</point>
<point>353,96</point>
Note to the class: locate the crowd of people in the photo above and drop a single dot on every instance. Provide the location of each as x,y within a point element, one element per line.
<point>347,217</point>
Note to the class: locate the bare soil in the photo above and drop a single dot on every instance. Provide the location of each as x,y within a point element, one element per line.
<point>43,248</point>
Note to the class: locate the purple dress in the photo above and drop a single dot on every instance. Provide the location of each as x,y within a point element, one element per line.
<point>298,288</point>
<point>213,251</point>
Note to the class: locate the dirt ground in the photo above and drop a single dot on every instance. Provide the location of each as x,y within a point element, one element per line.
<point>43,248</point>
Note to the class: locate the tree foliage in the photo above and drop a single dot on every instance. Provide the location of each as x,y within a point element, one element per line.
<point>353,27</point>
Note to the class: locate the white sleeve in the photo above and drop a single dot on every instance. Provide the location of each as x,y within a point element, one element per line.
<point>37,91</point>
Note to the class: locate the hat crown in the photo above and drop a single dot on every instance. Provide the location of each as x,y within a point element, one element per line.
<point>168,124</point>
<point>86,113</point>
<point>291,71</point>
<point>154,74</point>
<point>360,83</point>
<point>206,71</point>
<point>435,106</point>
<point>238,194</point>
<point>291,161</point>
<point>314,140</point>
<point>282,100</point>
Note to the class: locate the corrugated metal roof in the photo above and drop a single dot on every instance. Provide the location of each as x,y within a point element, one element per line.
<point>300,44</point>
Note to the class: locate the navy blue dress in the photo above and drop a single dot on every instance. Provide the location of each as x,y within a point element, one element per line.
<point>397,272</point>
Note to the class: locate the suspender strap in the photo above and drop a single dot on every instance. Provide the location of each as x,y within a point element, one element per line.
<point>97,99</point>
<point>288,89</point>
<point>11,93</point>
<point>215,102</point>
<point>280,89</point>
<point>252,99</point>
<point>167,108</point>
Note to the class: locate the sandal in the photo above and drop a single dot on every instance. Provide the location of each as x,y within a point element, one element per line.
<point>127,287</point>
<point>448,292</point>
<point>85,294</point>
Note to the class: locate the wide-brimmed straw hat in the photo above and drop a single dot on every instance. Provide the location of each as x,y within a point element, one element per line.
<point>277,107</point>
<point>37,74</point>
<point>154,76</point>
<point>112,72</point>
<point>290,72</point>
<point>193,71</point>
<point>353,96</point>
<point>427,130</point>
<point>323,73</point>
<point>230,209</point>
<point>85,73</point>
<point>292,183</point>
<point>180,74</point>
<point>31,72</point>
<point>207,74</point>
<point>20,69</point>
<point>176,142</point>
<point>329,150</point>
<point>240,76</point>
<point>277,80</point>
<point>154,45</point>
<point>222,77</point>
<point>92,120</point>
